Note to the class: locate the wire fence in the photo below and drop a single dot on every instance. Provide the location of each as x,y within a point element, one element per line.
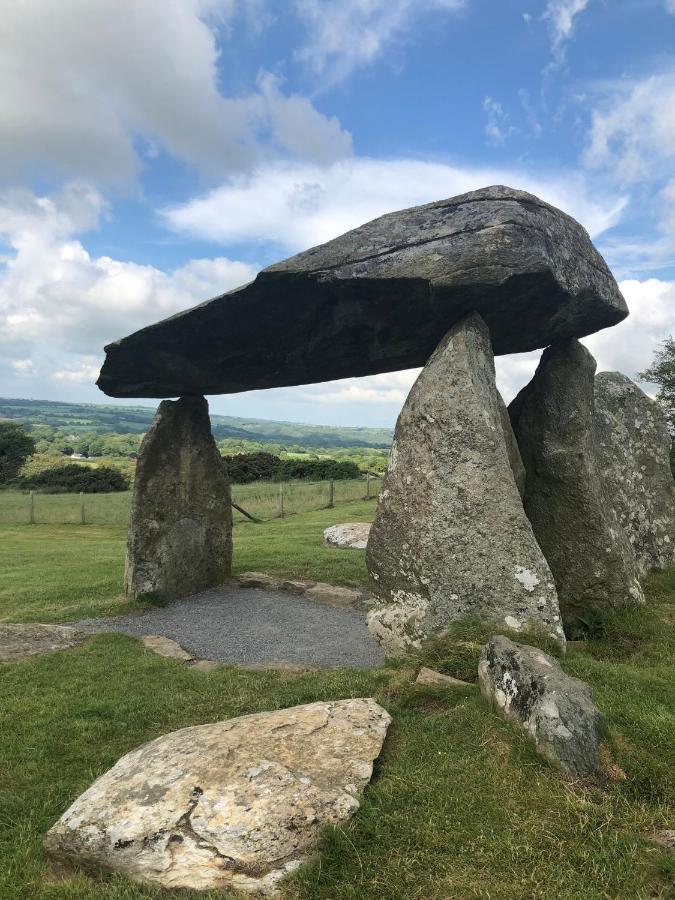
<point>262,500</point>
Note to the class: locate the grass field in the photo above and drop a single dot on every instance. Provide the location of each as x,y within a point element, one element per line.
<point>262,499</point>
<point>460,806</point>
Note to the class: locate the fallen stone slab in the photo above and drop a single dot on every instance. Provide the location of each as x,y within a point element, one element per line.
<point>204,665</point>
<point>180,525</point>
<point>633,444</point>
<point>348,536</point>
<point>164,646</point>
<point>451,540</point>
<point>21,641</point>
<point>231,805</point>
<point>528,687</point>
<point>572,514</point>
<point>258,580</point>
<point>432,677</point>
<point>379,299</point>
<point>341,597</point>
<point>296,587</point>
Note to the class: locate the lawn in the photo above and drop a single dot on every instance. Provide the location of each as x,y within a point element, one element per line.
<point>460,806</point>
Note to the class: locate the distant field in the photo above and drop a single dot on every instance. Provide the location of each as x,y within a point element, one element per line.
<point>262,499</point>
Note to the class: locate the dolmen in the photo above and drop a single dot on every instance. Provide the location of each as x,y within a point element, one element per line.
<point>532,518</point>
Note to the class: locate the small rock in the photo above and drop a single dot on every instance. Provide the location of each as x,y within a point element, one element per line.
<point>296,587</point>
<point>258,580</point>
<point>20,641</point>
<point>348,536</point>
<point>233,805</point>
<point>164,646</point>
<point>431,676</point>
<point>204,665</point>
<point>528,686</point>
<point>341,597</point>
<point>665,838</point>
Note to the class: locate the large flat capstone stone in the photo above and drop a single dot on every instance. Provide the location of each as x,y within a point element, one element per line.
<point>232,805</point>
<point>450,539</point>
<point>379,299</point>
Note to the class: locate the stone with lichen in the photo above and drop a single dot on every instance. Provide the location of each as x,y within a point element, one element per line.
<point>233,805</point>
<point>633,446</point>
<point>450,539</point>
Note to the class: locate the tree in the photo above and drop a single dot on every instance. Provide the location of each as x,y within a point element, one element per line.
<point>662,372</point>
<point>16,445</point>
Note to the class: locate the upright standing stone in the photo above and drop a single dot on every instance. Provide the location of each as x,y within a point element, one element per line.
<point>633,446</point>
<point>574,520</point>
<point>180,529</point>
<point>450,538</point>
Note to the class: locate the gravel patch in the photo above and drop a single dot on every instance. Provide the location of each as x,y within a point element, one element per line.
<point>244,626</point>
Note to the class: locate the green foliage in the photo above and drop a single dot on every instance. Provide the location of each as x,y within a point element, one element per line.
<point>15,448</point>
<point>75,479</point>
<point>662,372</point>
<point>243,468</point>
<point>316,469</point>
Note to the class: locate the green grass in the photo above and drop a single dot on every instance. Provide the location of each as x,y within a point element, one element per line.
<point>460,806</point>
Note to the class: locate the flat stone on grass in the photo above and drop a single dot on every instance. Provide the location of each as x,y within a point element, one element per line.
<point>21,641</point>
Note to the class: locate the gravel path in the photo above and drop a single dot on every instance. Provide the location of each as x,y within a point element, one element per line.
<point>249,626</point>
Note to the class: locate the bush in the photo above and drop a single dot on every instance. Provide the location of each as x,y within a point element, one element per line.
<point>246,467</point>
<point>316,469</point>
<point>16,445</point>
<point>72,479</point>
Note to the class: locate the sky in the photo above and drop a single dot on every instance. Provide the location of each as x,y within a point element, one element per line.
<point>155,153</point>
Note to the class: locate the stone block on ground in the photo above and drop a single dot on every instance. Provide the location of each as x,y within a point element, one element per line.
<point>233,805</point>
<point>633,447</point>
<point>450,539</point>
<point>164,646</point>
<point>528,687</point>
<point>296,587</point>
<point>180,526</point>
<point>333,595</point>
<point>348,536</point>
<point>432,677</point>
<point>21,641</point>
<point>258,580</point>
<point>572,515</point>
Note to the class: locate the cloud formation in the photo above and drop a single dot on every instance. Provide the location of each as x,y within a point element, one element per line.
<point>58,303</point>
<point>88,86</point>
<point>344,35</point>
<point>561,15</point>
<point>296,206</point>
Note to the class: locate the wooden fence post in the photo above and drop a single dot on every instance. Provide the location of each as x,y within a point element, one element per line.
<point>331,494</point>
<point>367,485</point>
<point>281,500</point>
<point>83,512</point>
<point>31,509</point>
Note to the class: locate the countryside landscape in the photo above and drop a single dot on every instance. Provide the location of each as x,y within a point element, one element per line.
<point>337,450</point>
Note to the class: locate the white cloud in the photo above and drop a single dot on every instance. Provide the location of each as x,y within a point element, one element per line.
<point>496,124</point>
<point>560,15</point>
<point>295,207</point>
<point>344,35</point>
<point>84,84</point>
<point>58,303</point>
<point>633,128</point>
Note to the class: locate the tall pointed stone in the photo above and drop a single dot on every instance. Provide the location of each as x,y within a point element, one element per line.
<point>450,539</point>
<point>180,528</point>
<point>633,448</point>
<point>573,518</point>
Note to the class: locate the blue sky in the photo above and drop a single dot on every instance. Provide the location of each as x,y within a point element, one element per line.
<point>154,153</point>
